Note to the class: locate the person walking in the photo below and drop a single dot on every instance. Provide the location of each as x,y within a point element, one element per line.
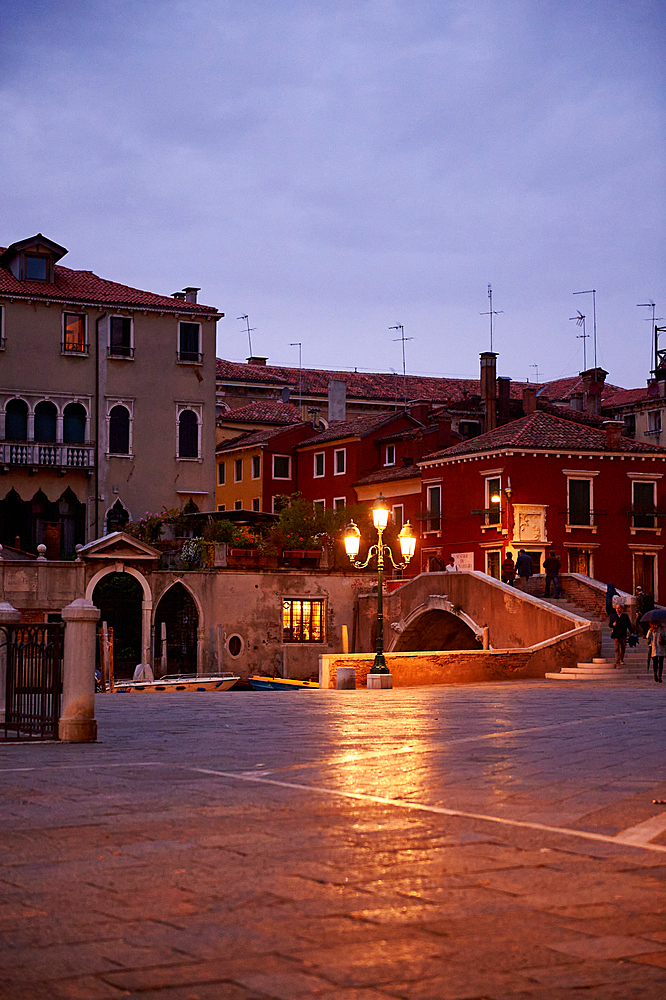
<point>620,625</point>
<point>508,570</point>
<point>524,568</point>
<point>552,566</point>
<point>611,592</point>
<point>656,639</point>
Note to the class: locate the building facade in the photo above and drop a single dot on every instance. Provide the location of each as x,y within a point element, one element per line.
<point>107,401</point>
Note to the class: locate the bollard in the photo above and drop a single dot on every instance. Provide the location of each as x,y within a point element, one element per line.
<point>8,616</point>
<point>345,679</point>
<point>77,722</point>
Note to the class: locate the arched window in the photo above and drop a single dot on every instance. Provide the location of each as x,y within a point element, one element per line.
<point>45,421</point>
<point>16,427</point>
<point>119,431</point>
<point>117,517</point>
<point>74,424</point>
<point>188,435</point>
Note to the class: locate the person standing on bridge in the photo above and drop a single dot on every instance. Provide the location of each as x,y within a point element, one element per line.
<point>524,568</point>
<point>620,625</point>
<point>508,570</point>
<point>552,568</point>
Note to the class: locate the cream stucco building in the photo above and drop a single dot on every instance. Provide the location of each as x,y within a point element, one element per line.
<point>107,401</point>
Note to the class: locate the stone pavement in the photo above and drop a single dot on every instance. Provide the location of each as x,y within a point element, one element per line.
<point>455,843</point>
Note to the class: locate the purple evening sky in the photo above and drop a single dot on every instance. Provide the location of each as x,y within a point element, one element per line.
<point>334,168</point>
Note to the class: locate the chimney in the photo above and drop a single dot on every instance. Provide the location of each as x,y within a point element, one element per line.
<point>504,400</point>
<point>577,401</point>
<point>488,389</point>
<point>191,293</point>
<point>613,430</point>
<point>444,436</point>
<point>529,399</point>
<point>259,362</point>
<point>420,411</point>
<point>337,400</point>
<point>179,295</point>
<point>593,383</point>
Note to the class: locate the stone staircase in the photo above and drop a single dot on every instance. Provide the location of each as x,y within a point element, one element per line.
<point>602,668</point>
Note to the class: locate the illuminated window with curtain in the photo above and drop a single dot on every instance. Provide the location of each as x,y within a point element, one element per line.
<point>74,337</point>
<point>302,620</point>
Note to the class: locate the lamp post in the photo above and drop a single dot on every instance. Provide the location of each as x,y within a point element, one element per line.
<point>380,516</point>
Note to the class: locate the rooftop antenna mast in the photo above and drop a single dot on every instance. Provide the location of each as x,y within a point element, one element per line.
<point>537,372</point>
<point>654,348</point>
<point>402,337</point>
<point>593,293</point>
<point>299,345</point>
<point>491,312</point>
<point>580,321</point>
<point>248,330</point>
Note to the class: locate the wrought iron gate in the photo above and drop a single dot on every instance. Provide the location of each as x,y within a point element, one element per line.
<point>34,679</point>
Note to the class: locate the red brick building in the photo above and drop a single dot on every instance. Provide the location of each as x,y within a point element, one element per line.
<point>592,495</point>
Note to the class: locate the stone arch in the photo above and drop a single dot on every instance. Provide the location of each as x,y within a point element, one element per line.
<point>435,629</point>
<point>181,612</point>
<point>146,604</point>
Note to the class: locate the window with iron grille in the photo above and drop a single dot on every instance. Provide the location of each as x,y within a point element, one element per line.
<point>74,334</point>
<point>120,337</point>
<point>302,620</point>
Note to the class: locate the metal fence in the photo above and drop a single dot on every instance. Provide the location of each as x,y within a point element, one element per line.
<point>34,655</point>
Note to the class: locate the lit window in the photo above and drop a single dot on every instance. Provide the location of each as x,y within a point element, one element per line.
<point>281,467</point>
<point>390,455</point>
<point>493,507</point>
<point>319,466</point>
<point>74,338</point>
<point>340,462</point>
<point>302,621</point>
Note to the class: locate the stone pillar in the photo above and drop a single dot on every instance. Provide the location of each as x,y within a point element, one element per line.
<point>8,616</point>
<point>146,615</point>
<point>77,722</point>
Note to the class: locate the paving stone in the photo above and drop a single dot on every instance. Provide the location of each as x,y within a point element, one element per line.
<point>126,872</point>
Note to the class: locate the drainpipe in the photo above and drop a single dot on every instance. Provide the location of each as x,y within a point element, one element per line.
<point>97,430</point>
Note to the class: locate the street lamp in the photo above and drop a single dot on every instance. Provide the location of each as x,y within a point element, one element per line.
<point>380,516</point>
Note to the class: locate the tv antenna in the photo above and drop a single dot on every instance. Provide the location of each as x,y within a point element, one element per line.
<point>653,349</point>
<point>402,338</point>
<point>491,312</point>
<point>248,330</point>
<point>580,321</point>
<point>593,293</point>
<point>537,373</point>
<point>299,345</point>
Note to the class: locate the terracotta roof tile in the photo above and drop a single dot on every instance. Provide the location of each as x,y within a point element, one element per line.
<point>624,397</point>
<point>86,287</point>
<point>253,439</point>
<point>390,475</point>
<point>356,427</point>
<point>562,388</point>
<point>263,412</point>
<point>543,431</point>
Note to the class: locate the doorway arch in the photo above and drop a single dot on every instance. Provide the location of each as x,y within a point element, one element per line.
<point>178,612</point>
<point>146,603</point>
<point>119,597</point>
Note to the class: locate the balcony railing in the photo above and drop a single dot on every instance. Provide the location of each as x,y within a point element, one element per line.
<point>57,456</point>
<point>190,357</point>
<point>120,351</point>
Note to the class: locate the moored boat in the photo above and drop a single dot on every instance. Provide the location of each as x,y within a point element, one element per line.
<point>260,683</point>
<point>181,682</point>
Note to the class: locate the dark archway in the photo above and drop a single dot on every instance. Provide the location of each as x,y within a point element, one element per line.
<point>179,614</point>
<point>119,597</point>
<point>46,419</point>
<point>74,424</point>
<point>16,521</point>
<point>436,630</point>
<point>117,517</point>
<point>16,420</point>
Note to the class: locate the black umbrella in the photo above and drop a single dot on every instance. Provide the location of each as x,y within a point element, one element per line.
<point>657,615</point>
